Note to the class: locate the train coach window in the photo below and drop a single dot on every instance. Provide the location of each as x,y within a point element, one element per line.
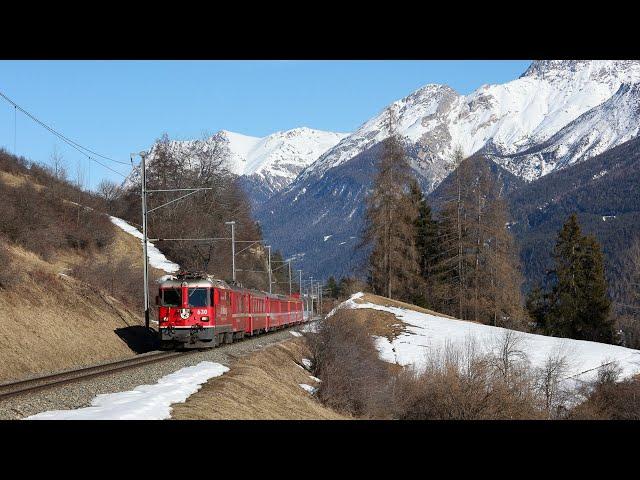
<point>198,297</point>
<point>171,297</point>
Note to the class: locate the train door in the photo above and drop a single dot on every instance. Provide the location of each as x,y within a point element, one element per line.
<point>233,297</point>
<point>268,303</point>
<point>242,311</point>
<point>247,323</point>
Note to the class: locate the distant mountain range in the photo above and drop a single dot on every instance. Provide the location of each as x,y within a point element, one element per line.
<point>266,164</point>
<point>308,187</point>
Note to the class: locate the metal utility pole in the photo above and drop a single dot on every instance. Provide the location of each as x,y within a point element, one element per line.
<point>289,262</point>
<point>145,214</point>
<point>311,294</point>
<point>233,249</point>
<point>269,248</point>
<point>300,292</point>
<point>145,268</point>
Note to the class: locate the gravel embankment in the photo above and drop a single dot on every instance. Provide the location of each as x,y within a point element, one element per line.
<point>80,394</point>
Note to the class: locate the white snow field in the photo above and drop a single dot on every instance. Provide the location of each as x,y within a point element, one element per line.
<point>156,257</point>
<point>427,333</point>
<point>146,402</point>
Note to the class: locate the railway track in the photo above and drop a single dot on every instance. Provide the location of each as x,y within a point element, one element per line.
<point>30,385</point>
<point>34,384</point>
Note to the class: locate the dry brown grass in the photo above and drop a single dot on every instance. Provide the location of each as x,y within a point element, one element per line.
<point>377,322</point>
<point>51,322</point>
<point>387,302</point>
<point>263,385</point>
<point>17,180</point>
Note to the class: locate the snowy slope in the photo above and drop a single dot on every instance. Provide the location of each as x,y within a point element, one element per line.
<point>156,257</point>
<point>146,402</point>
<point>605,126</point>
<point>430,333</point>
<point>274,160</point>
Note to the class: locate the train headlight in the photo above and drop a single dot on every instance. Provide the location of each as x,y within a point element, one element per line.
<point>204,319</point>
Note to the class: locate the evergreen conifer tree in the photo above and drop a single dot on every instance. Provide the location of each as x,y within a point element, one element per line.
<point>577,305</point>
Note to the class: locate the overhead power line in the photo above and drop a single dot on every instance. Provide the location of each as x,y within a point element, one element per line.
<point>83,150</point>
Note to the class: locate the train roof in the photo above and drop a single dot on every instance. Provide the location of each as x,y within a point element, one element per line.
<point>207,281</point>
<point>204,282</point>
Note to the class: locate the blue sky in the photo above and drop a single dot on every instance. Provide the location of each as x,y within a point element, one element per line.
<point>119,107</point>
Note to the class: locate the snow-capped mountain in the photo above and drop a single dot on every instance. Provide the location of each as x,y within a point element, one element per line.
<point>556,114</point>
<point>272,161</point>
<point>502,119</point>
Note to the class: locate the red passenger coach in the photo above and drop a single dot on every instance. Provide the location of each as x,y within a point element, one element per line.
<point>198,311</point>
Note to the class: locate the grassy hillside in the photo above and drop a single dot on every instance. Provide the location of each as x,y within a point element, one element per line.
<point>70,281</point>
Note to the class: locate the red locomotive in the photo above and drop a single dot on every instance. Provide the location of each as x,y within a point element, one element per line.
<point>198,311</point>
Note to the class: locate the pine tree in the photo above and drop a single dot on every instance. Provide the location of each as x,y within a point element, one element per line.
<point>577,306</point>
<point>595,322</point>
<point>332,287</point>
<point>427,247</point>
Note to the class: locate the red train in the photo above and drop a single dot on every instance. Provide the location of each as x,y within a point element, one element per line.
<point>198,311</point>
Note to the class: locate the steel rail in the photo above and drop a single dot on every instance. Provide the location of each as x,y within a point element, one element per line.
<point>34,384</point>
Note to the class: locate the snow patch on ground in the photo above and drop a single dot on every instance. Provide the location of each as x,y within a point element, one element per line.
<point>307,363</point>
<point>156,257</point>
<point>311,327</point>
<point>426,333</point>
<point>295,334</point>
<point>308,388</point>
<point>146,402</point>
<point>349,303</point>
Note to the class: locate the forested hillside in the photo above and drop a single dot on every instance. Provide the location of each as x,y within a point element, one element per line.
<point>604,192</point>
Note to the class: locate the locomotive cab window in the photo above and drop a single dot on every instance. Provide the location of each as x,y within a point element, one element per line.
<point>199,297</point>
<point>171,297</point>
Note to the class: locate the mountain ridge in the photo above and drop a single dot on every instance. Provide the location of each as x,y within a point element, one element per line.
<point>273,161</point>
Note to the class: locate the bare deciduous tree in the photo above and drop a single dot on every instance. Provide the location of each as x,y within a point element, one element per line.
<point>477,275</point>
<point>108,190</point>
<point>549,382</point>
<point>389,221</point>
<point>58,165</point>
